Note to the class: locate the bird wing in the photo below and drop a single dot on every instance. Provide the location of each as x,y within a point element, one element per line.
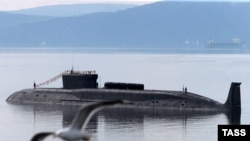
<point>82,117</point>
<point>41,136</point>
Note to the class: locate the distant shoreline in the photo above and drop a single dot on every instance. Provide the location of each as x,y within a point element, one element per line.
<point>123,50</point>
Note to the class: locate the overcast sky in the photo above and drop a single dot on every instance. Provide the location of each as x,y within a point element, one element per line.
<point>22,4</point>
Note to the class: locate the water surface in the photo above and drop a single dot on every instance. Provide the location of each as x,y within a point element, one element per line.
<point>209,75</point>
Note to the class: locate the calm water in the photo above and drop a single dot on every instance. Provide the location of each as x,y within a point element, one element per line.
<point>205,74</point>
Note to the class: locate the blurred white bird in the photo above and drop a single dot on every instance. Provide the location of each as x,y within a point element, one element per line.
<point>81,119</point>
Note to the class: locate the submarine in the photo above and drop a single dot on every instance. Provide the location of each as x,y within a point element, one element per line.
<point>81,87</point>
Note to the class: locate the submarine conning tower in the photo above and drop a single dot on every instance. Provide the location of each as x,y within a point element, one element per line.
<point>80,79</point>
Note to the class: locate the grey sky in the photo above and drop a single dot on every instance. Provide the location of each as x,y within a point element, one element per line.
<point>22,4</point>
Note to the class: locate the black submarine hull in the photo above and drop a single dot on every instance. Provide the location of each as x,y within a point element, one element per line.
<point>149,98</point>
<point>82,87</point>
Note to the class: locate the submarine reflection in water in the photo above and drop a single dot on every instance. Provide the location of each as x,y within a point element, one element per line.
<point>137,116</point>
